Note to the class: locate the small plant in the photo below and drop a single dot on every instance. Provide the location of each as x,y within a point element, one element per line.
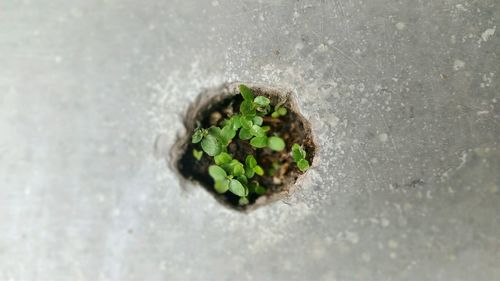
<point>236,171</point>
<point>299,157</point>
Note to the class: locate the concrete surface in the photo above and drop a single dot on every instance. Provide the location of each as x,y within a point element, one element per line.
<point>404,99</point>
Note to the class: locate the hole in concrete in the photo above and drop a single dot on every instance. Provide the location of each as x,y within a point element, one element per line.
<point>281,172</point>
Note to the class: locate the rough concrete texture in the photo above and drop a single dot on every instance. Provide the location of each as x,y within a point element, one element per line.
<point>404,100</point>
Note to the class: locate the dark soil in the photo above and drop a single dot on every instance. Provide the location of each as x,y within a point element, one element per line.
<point>292,127</point>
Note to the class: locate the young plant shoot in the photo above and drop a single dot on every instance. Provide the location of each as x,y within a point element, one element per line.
<point>233,171</point>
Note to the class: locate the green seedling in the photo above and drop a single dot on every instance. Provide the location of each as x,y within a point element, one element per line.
<point>279,111</point>
<point>197,154</point>
<point>299,157</point>
<point>252,168</point>
<point>238,176</point>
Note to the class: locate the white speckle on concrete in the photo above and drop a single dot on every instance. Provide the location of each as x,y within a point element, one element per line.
<point>299,46</point>
<point>328,276</point>
<point>215,3</point>
<point>393,255</point>
<point>366,257</point>
<point>400,25</point>
<point>453,39</point>
<point>163,265</point>
<point>333,120</point>
<point>407,206</point>
<point>352,237</point>
<point>458,64</point>
<point>361,87</point>
<point>487,79</point>
<point>461,7</point>
<point>392,244</point>
<point>322,48</point>
<point>383,137</point>
<point>428,194</point>
<point>319,250</point>
<point>57,59</point>
<point>77,13</point>
<point>101,197</point>
<point>488,33</point>
<point>463,160</point>
<point>385,222</point>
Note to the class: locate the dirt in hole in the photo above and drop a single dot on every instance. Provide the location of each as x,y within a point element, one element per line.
<point>292,127</point>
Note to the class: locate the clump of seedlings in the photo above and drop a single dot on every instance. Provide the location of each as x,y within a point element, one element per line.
<point>248,146</point>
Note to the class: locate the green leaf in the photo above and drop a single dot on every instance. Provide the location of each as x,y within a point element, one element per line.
<point>298,153</point>
<point>258,170</point>
<point>251,186</point>
<point>266,128</point>
<point>257,131</point>
<point>228,133</point>
<point>260,190</point>
<point>197,154</point>
<point>247,108</point>
<point>250,161</point>
<point>259,142</point>
<point>276,143</point>
<point>243,201</point>
<point>246,123</point>
<point>262,101</point>
<point>237,188</point>
<point>275,114</point>
<point>223,158</point>
<point>302,152</point>
<point>217,133</point>
<point>243,179</point>
<point>217,173</point>
<point>257,120</point>
<point>235,122</point>
<point>235,168</point>
<point>249,172</point>
<point>246,92</point>
<point>282,111</point>
<point>245,134</point>
<point>222,186</point>
<point>303,165</point>
<point>238,170</point>
<point>211,145</point>
<point>214,131</point>
<point>263,110</point>
<point>255,187</point>
<point>197,136</point>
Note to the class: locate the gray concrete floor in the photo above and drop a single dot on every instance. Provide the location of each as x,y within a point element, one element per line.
<point>404,100</point>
